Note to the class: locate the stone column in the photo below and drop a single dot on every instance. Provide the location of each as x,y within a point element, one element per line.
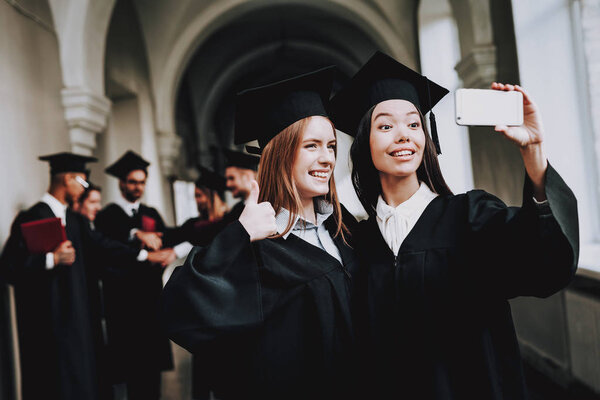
<point>169,150</point>
<point>478,68</point>
<point>86,114</point>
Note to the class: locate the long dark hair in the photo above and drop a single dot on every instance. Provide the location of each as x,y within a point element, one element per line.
<point>365,177</point>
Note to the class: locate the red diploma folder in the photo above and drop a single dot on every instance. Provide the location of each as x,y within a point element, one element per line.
<point>43,235</point>
<point>148,224</point>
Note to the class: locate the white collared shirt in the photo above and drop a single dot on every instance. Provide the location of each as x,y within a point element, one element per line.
<point>128,206</point>
<point>316,235</point>
<point>395,223</point>
<point>58,209</point>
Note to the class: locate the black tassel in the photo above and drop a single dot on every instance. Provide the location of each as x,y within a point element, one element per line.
<point>434,134</point>
<point>432,124</point>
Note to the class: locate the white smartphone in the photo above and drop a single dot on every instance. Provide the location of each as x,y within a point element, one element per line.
<point>483,107</point>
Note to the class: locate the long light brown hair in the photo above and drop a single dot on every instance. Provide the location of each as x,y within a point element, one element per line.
<point>276,181</point>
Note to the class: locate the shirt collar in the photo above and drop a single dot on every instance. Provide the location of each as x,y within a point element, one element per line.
<point>58,209</point>
<point>127,206</point>
<point>407,208</point>
<point>323,210</point>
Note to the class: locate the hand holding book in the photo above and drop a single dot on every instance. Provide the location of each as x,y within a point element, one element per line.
<point>64,254</point>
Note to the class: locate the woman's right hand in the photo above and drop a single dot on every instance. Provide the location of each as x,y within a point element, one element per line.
<point>258,218</point>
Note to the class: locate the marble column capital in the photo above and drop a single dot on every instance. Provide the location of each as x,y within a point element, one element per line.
<point>86,114</point>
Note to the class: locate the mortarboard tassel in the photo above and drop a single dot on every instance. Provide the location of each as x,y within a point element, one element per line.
<point>434,134</point>
<point>432,124</point>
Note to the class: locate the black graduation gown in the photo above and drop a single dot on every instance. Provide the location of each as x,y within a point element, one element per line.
<point>201,232</point>
<point>435,319</point>
<point>275,312</point>
<point>136,343</point>
<point>58,327</point>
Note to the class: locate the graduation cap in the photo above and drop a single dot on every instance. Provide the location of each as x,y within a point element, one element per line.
<point>383,78</point>
<point>67,162</point>
<point>128,162</point>
<point>211,180</point>
<point>241,160</point>
<point>263,112</point>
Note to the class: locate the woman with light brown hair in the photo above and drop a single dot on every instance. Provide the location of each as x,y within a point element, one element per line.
<point>271,294</point>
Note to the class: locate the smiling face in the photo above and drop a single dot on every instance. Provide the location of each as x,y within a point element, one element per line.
<point>91,205</point>
<point>315,158</point>
<point>239,181</point>
<point>397,138</point>
<point>201,196</point>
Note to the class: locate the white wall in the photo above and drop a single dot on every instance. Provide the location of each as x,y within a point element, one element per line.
<point>31,115</point>
<point>549,67</point>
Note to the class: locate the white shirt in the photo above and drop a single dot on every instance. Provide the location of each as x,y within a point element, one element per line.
<point>131,209</point>
<point>58,209</point>
<point>128,206</point>
<point>316,235</point>
<point>396,223</point>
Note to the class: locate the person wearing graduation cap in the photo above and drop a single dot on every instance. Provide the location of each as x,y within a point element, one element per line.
<point>272,292</point>
<point>440,268</point>
<point>59,331</point>
<point>240,170</point>
<point>210,221</point>
<point>138,349</point>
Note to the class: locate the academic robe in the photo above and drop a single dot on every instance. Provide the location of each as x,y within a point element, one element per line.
<point>435,318</point>
<point>136,342</point>
<point>200,232</point>
<point>58,325</point>
<point>276,313</point>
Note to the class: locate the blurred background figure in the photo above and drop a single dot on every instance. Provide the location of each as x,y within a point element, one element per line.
<point>138,349</point>
<point>89,203</point>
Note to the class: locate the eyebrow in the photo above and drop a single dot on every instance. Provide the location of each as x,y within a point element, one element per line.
<point>384,114</point>
<point>318,140</point>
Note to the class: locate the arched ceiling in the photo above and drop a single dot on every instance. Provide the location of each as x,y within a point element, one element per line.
<point>203,52</point>
<point>266,45</point>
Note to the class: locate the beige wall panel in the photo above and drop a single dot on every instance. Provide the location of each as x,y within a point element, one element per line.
<point>31,116</point>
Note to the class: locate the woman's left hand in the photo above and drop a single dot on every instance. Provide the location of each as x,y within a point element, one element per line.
<point>532,131</point>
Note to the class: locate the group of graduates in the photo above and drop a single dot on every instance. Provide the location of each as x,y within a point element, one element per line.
<point>287,296</point>
<point>87,312</point>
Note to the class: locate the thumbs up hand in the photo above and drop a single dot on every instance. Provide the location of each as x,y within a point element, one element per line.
<point>258,219</point>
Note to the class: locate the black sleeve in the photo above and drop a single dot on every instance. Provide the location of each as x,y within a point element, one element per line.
<point>524,251</point>
<point>216,291</point>
<point>17,264</point>
<point>114,224</point>
<point>106,249</point>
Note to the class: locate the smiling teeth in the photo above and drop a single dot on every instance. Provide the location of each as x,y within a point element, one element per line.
<point>319,174</point>
<point>402,153</point>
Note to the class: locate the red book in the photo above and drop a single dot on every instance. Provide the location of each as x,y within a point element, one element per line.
<point>148,224</point>
<point>43,235</point>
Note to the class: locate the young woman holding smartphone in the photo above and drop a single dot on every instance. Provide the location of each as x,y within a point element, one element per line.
<point>440,268</point>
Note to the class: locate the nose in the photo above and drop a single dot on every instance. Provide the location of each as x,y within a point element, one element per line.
<point>401,137</point>
<point>326,156</point>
